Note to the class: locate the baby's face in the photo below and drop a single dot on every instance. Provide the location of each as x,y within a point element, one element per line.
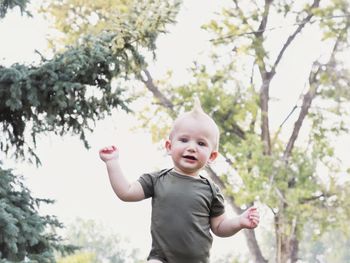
<point>192,145</point>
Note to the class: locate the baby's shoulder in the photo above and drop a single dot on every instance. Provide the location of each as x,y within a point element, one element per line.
<point>160,173</point>
<point>213,186</point>
<point>155,175</point>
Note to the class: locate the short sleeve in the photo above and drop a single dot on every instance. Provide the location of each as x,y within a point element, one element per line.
<point>147,183</point>
<point>218,203</point>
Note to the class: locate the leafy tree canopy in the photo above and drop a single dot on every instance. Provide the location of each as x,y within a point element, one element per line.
<point>277,167</point>
<point>141,21</point>
<point>95,239</point>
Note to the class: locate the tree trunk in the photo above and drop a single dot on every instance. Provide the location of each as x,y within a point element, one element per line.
<point>287,243</point>
<point>294,246</point>
<point>264,106</point>
<point>281,244</point>
<point>254,246</point>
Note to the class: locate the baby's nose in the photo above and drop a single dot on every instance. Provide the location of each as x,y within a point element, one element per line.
<point>191,146</point>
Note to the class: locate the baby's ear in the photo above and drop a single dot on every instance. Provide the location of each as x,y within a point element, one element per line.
<point>168,146</point>
<point>213,156</point>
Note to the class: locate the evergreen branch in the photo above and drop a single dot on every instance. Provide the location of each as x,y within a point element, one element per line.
<point>65,94</point>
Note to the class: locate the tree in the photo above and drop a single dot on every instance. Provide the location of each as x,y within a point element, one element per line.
<point>235,89</point>
<point>137,21</point>
<point>25,233</point>
<point>95,239</point>
<point>63,94</point>
<point>328,247</point>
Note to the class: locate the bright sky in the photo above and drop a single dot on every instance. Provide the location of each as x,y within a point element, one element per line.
<point>76,178</point>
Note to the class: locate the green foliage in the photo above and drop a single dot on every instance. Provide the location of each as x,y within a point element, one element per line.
<point>331,246</point>
<point>65,94</point>
<point>5,5</point>
<point>25,233</point>
<point>333,18</point>
<point>140,21</point>
<point>95,239</point>
<point>82,257</point>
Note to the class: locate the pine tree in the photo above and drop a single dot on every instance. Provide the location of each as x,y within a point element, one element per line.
<point>23,232</point>
<point>65,94</point>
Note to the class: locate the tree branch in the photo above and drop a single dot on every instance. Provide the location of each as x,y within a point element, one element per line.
<point>263,22</point>
<point>164,101</point>
<point>313,198</point>
<point>307,100</point>
<point>266,78</point>
<point>306,20</point>
<point>241,13</point>
<point>264,106</point>
<point>308,97</point>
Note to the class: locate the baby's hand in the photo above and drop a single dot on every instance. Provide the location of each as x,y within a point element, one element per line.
<point>250,218</point>
<point>108,153</point>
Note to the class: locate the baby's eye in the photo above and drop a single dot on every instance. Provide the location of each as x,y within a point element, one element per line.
<point>183,140</point>
<point>202,144</point>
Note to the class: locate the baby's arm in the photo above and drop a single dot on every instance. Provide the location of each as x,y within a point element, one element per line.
<point>224,226</point>
<point>126,191</point>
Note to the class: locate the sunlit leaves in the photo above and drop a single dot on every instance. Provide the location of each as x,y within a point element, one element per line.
<point>78,258</point>
<point>333,18</point>
<point>139,21</point>
<point>98,244</point>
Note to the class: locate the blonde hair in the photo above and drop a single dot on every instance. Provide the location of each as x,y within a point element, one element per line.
<point>198,113</point>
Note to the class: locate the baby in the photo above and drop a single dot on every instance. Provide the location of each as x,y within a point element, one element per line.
<point>185,204</point>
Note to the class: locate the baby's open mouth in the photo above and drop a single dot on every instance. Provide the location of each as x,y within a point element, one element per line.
<point>189,157</point>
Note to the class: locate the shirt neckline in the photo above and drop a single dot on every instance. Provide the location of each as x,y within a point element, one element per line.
<point>189,177</point>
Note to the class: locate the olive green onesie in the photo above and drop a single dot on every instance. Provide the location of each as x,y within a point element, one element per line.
<point>181,210</point>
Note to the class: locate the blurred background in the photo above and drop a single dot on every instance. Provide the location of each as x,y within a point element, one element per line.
<point>76,76</point>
